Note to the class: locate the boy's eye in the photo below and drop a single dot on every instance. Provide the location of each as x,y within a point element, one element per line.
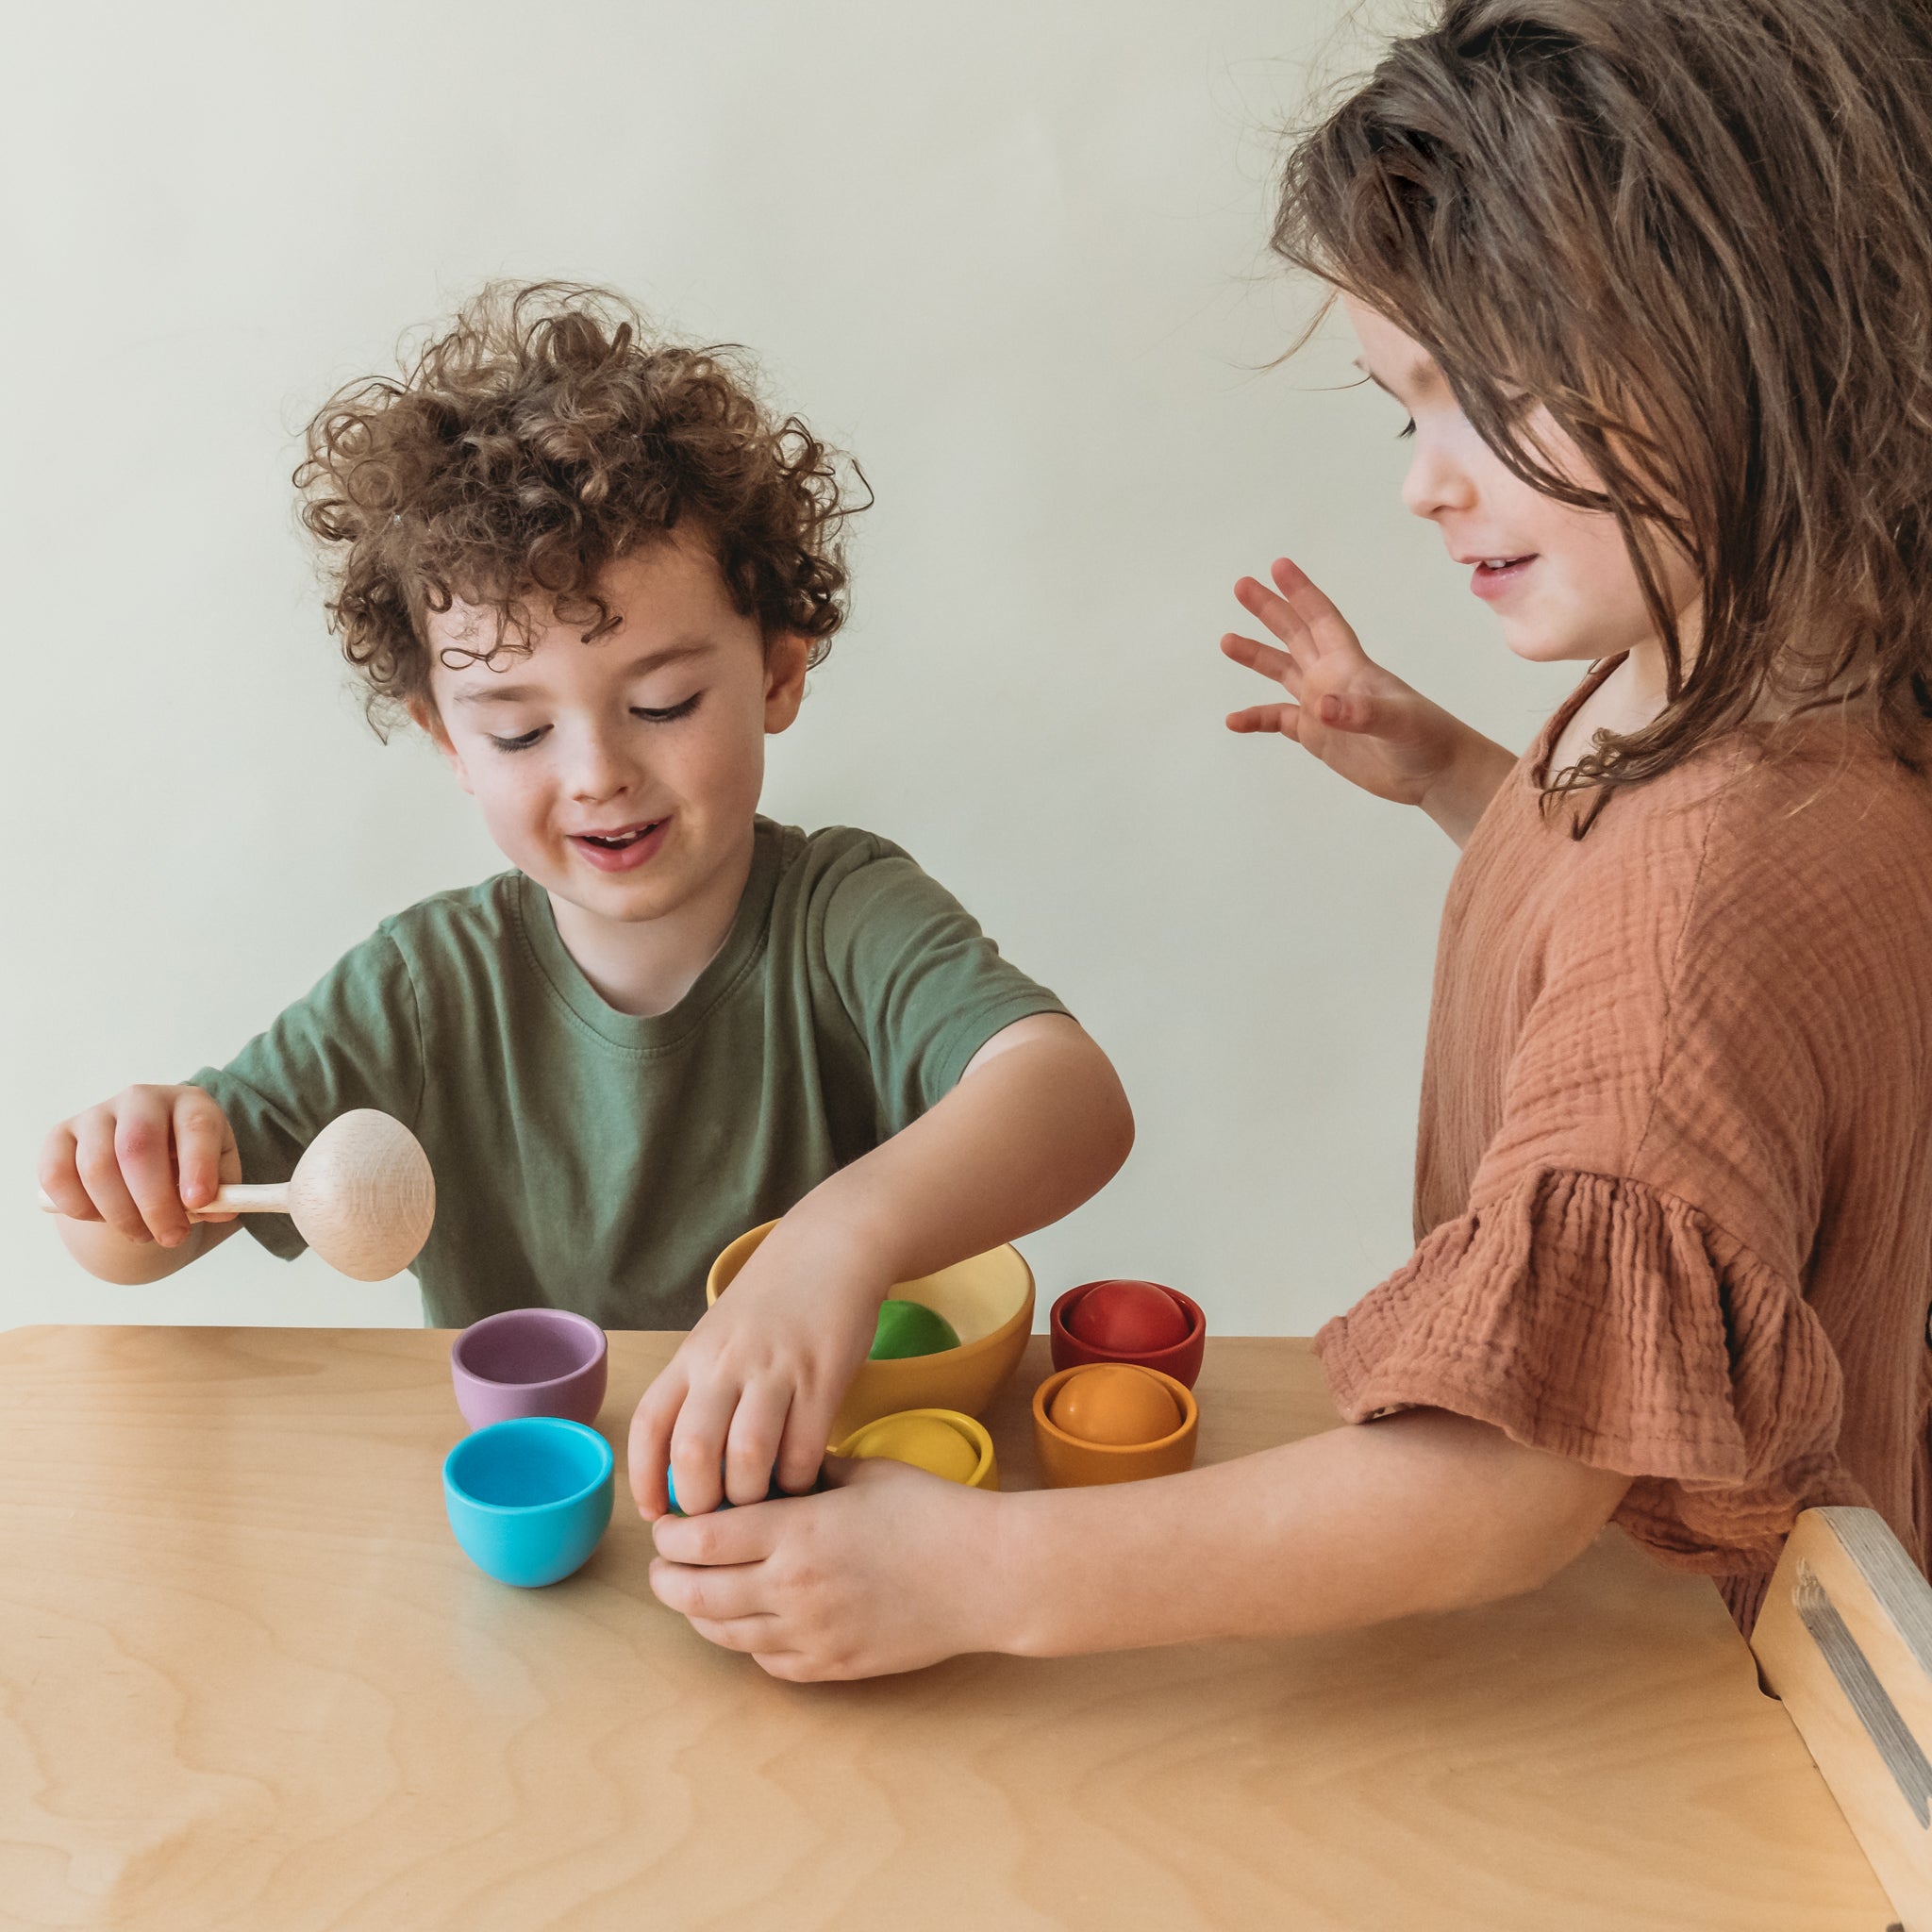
<point>668,714</point>
<point>521,742</point>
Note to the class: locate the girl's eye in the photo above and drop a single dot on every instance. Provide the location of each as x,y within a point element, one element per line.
<point>669,714</point>
<point>1407,429</point>
<point>518,743</point>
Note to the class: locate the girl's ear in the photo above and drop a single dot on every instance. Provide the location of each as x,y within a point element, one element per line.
<point>785,667</point>
<point>427,720</point>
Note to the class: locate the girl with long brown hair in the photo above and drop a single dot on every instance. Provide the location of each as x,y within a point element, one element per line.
<point>1653,280</point>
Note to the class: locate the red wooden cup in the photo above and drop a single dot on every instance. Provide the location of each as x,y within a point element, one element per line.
<point>1182,1360</point>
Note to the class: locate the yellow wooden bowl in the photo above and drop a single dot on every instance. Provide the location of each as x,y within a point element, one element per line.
<point>907,1438</point>
<point>988,1299</point>
<point>1068,1461</point>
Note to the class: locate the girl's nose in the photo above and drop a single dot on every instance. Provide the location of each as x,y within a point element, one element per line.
<point>1436,482</point>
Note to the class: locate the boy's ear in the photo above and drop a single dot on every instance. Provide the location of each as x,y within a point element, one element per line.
<point>424,716</point>
<point>785,667</point>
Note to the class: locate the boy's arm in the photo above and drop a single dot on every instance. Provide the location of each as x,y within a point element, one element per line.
<point>1421,1511</point>
<point>127,1173</point>
<point>1036,1124</point>
<point>110,1255</point>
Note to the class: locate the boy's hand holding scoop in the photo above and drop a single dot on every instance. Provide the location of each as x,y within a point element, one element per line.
<point>136,1173</point>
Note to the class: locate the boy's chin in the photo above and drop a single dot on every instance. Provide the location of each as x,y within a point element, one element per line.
<point>619,901</point>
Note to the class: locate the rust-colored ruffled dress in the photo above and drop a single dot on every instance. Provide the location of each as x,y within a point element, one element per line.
<point>1673,1177</point>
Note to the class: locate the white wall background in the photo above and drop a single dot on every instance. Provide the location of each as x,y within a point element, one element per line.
<point>1012,256</point>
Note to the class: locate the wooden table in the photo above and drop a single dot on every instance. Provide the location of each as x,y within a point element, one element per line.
<point>250,1682</point>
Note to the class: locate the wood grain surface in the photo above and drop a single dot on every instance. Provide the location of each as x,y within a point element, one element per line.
<point>250,1682</point>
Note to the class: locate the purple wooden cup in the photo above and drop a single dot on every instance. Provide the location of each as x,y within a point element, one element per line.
<point>529,1361</point>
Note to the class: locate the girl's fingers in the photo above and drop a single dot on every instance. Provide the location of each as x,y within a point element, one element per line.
<point>1285,719</point>
<point>755,1636</point>
<point>1279,615</point>
<point>718,1595</point>
<point>1324,627</point>
<point>721,1538</point>
<point>201,1132</point>
<point>751,1448</point>
<point>1359,714</point>
<point>1252,651</point>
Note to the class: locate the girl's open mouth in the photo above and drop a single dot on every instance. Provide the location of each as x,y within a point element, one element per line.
<point>1493,575</point>
<point>623,850</point>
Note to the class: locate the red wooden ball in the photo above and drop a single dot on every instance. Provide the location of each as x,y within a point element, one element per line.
<point>1128,1317</point>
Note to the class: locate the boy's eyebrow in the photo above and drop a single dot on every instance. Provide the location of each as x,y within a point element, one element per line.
<point>638,667</point>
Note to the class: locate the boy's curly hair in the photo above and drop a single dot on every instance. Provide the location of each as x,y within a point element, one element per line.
<point>542,434</point>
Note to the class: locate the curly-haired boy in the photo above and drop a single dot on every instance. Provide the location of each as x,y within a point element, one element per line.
<point>595,568</point>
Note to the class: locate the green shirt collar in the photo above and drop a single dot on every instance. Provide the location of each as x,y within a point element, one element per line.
<point>657,1032</point>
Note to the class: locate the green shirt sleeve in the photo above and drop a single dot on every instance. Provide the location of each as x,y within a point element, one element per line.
<point>355,1039</point>
<point>924,986</point>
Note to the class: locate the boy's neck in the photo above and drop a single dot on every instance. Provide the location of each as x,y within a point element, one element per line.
<point>644,967</point>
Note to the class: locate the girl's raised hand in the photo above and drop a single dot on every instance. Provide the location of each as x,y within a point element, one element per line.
<point>1361,721</point>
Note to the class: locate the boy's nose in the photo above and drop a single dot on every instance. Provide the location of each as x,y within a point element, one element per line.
<point>600,771</point>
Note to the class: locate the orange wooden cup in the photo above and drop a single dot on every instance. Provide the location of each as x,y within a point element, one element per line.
<point>1068,1462</point>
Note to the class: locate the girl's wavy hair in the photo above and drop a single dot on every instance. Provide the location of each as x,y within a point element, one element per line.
<point>1699,234</point>
<point>542,434</point>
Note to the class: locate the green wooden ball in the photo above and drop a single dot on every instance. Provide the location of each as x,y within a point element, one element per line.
<point>908,1328</point>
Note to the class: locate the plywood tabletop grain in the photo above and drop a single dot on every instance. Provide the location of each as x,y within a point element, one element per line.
<point>250,1682</point>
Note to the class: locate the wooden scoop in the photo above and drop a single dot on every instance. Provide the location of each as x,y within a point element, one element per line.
<point>362,1195</point>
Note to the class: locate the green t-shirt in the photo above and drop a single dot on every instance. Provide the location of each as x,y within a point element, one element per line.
<point>589,1159</point>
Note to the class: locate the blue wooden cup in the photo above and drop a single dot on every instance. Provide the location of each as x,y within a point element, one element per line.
<point>530,1499</point>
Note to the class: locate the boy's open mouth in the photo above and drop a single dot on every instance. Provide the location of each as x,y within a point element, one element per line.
<point>620,849</point>
<point>616,841</point>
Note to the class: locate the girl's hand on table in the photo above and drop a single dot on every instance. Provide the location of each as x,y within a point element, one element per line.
<point>1362,722</point>
<point>143,1163</point>
<point>890,1570</point>
<point>753,1388</point>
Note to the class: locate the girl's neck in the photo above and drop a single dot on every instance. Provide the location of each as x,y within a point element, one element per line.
<point>1635,693</point>
<point>1628,700</point>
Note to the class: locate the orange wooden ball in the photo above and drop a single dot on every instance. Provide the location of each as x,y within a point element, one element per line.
<point>1114,1403</point>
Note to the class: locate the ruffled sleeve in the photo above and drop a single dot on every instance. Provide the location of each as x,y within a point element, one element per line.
<point>1599,1319</point>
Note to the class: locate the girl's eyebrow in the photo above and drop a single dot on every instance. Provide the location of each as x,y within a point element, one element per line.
<point>1418,375</point>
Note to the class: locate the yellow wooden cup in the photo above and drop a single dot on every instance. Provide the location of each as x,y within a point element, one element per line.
<point>941,1442</point>
<point>988,1299</point>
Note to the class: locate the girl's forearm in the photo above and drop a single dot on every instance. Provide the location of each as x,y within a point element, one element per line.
<point>1038,1125</point>
<point>1420,1511</point>
<point>1457,797</point>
